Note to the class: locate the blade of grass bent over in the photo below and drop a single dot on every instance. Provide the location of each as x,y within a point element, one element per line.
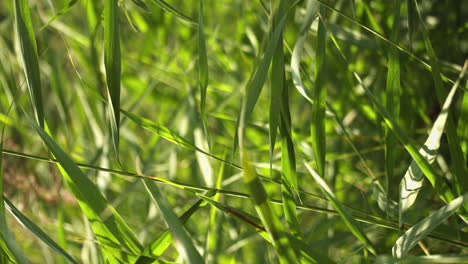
<point>311,12</point>
<point>416,233</point>
<point>182,240</point>
<point>442,189</point>
<point>458,164</point>
<point>344,214</point>
<point>117,240</point>
<point>113,67</point>
<point>28,49</point>
<point>413,179</point>
<point>392,102</point>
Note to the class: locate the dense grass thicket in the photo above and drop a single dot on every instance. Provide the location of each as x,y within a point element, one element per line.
<point>262,131</point>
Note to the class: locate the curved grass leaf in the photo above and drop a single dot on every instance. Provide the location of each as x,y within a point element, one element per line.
<point>182,240</point>
<point>459,168</point>
<point>311,13</point>
<point>141,5</point>
<point>442,189</point>
<point>62,11</point>
<point>166,7</point>
<point>37,231</point>
<point>344,214</point>
<point>202,61</point>
<point>113,68</point>
<point>416,233</point>
<point>413,179</point>
<point>28,48</point>
<point>117,240</point>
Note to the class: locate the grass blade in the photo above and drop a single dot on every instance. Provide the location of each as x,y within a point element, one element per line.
<point>29,60</point>
<point>317,127</point>
<point>37,231</point>
<point>182,240</point>
<point>416,233</point>
<point>113,67</point>
<point>348,219</point>
<point>311,13</point>
<point>62,11</point>
<point>117,240</point>
<point>166,7</point>
<point>392,102</point>
<point>433,259</point>
<point>169,135</point>
<point>413,179</point>
<point>202,61</point>
<point>270,220</point>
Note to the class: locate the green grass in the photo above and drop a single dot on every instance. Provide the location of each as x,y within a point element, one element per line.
<point>276,131</point>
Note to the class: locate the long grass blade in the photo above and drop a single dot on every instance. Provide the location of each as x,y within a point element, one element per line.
<point>169,135</point>
<point>37,232</point>
<point>317,127</point>
<point>29,59</point>
<point>413,180</point>
<point>392,102</point>
<point>348,219</point>
<point>117,240</point>
<point>112,62</point>
<point>182,240</point>
<point>411,237</point>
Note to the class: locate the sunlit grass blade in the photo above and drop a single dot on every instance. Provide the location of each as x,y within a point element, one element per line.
<point>117,240</point>
<point>61,12</point>
<point>183,242</point>
<point>459,168</point>
<point>169,135</point>
<point>433,259</point>
<point>439,184</point>
<point>157,247</point>
<point>25,34</point>
<point>463,124</point>
<point>311,13</point>
<point>411,237</point>
<point>113,68</point>
<point>413,180</point>
<point>174,11</point>
<point>37,231</point>
<point>392,102</point>
<point>348,219</point>
<point>317,127</point>
<point>270,220</point>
